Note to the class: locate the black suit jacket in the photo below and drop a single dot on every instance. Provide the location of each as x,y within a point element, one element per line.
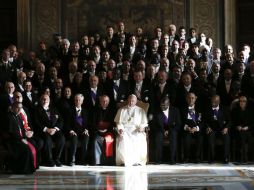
<point>226,97</point>
<point>157,95</point>
<point>199,116</point>
<point>247,85</point>
<point>174,120</point>
<point>242,118</point>
<point>88,98</point>
<point>181,93</point>
<point>219,122</point>
<point>42,119</point>
<point>31,105</point>
<point>122,91</point>
<point>145,91</point>
<point>79,127</point>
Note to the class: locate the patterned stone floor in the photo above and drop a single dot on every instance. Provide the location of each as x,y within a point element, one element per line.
<point>152,177</point>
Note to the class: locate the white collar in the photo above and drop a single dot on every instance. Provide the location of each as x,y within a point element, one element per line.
<point>139,83</point>
<point>166,112</point>
<point>94,89</point>
<point>46,108</point>
<point>216,108</point>
<point>78,109</point>
<point>163,84</point>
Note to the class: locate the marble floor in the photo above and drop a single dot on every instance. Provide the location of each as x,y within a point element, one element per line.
<point>182,176</point>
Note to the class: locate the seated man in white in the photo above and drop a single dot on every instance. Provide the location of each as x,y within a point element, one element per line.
<point>131,145</point>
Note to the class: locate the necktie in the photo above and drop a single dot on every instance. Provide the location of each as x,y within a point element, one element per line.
<point>215,114</point>
<point>137,91</point>
<point>29,96</point>
<point>48,113</point>
<point>93,95</point>
<point>115,87</point>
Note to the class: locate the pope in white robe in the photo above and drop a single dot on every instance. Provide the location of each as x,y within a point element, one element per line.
<point>131,144</point>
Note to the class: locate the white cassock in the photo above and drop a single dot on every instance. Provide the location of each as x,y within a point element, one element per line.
<point>131,146</point>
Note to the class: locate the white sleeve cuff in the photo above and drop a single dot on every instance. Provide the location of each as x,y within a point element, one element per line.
<point>197,128</point>
<point>185,127</point>
<point>57,129</point>
<point>120,126</point>
<point>45,129</point>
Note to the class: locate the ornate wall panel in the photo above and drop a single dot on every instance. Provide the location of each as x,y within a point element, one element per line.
<point>72,18</point>
<point>93,16</point>
<point>45,20</point>
<point>204,16</point>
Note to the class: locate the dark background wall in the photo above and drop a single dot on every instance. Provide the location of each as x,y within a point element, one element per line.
<point>244,24</point>
<point>8,23</point>
<point>93,16</point>
<point>72,18</point>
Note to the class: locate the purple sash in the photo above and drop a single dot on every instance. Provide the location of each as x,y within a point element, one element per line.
<point>165,120</point>
<point>193,115</point>
<point>79,120</point>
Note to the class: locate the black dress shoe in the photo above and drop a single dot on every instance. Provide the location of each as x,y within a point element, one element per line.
<point>172,163</point>
<point>226,161</point>
<point>51,164</point>
<point>58,163</point>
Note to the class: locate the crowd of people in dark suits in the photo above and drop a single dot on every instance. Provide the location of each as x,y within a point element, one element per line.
<point>67,95</point>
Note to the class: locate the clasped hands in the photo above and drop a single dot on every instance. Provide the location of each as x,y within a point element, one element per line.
<point>223,131</point>
<point>138,129</point>
<point>241,128</point>
<point>85,132</point>
<point>51,131</point>
<point>191,129</point>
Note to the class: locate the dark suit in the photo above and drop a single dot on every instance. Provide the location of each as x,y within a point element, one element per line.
<point>6,74</point>
<point>53,120</point>
<point>5,103</point>
<point>121,91</point>
<point>30,104</point>
<point>90,101</point>
<point>247,85</point>
<point>243,118</point>
<point>196,121</point>
<point>217,121</point>
<point>39,84</point>
<point>168,91</point>
<point>79,123</point>
<point>226,97</point>
<point>181,94</point>
<point>172,124</point>
<point>145,92</point>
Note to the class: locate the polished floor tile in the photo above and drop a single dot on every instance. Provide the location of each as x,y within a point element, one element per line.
<point>152,177</point>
